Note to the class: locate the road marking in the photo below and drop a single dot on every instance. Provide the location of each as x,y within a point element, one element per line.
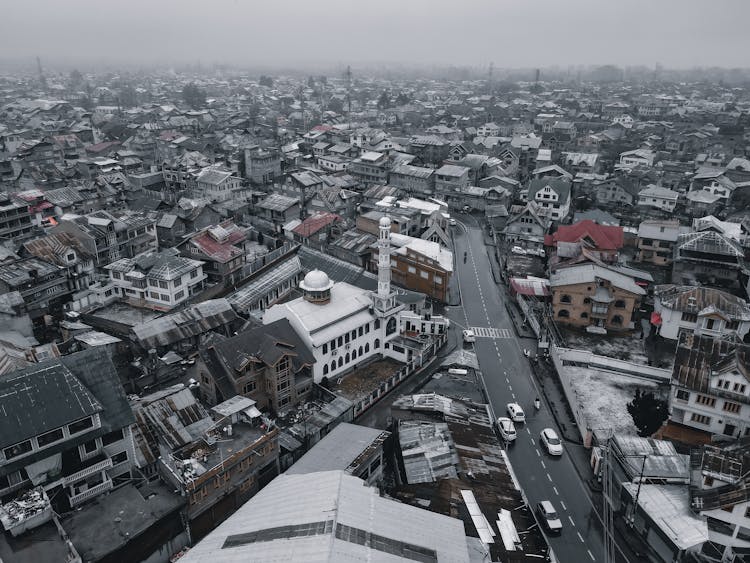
<point>571,519</point>
<point>549,478</point>
<point>558,494</point>
<point>507,380</point>
<point>490,332</point>
<point>513,395</point>
<point>533,442</point>
<point>563,505</point>
<point>543,465</point>
<point>537,453</point>
<point>590,554</point>
<point>528,431</point>
<point>580,537</point>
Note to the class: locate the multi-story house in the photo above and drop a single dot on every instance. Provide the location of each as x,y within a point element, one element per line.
<point>600,241</point>
<point>44,286</point>
<point>710,385</point>
<point>551,197</point>
<point>278,209</point>
<point>262,167</point>
<point>413,179</point>
<point>616,191</point>
<point>429,148</point>
<point>371,168</point>
<point>708,258</point>
<point>216,184</point>
<point>658,197</point>
<point>656,240</point>
<point>451,179</point>
<point>15,219</point>
<point>595,297</point>
<point>157,280</point>
<point>526,228</point>
<point>302,185</point>
<point>637,157</point>
<point>222,249</point>
<point>67,252</point>
<point>718,493</point>
<point>267,363</point>
<point>66,428</point>
<point>702,310</point>
<point>576,162</point>
<point>217,460</point>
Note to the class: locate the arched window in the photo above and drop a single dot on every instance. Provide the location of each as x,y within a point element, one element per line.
<point>354,355</point>
<point>333,365</point>
<point>584,315</point>
<point>341,361</point>
<point>620,304</point>
<point>341,341</point>
<point>325,369</point>
<point>390,328</point>
<point>347,360</point>
<point>565,299</point>
<point>360,351</point>
<point>377,343</point>
<point>325,348</point>
<point>563,314</point>
<point>586,300</point>
<point>367,348</point>
<point>377,324</point>
<point>617,320</point>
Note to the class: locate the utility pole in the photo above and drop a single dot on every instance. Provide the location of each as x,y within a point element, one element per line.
<point>607,516</point>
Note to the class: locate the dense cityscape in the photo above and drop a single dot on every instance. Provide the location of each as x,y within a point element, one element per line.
<point>448,314</point>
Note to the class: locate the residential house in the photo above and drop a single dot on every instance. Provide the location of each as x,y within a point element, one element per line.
<point>616,191</point>
<point>413,180</point>
<point>708,258</point>
<point>353,246</point>
<point>302,185</point>
<point>371,168</point>
<point>710,386</point>
<point>66,251</point>
<point>15,219</point>
<point>526,228</point>
<point>451,178</point>
<point>637,157</point>
<point>262,167</point>
<point>216,184</point>
<point>43,285</point>
<point>430,149</point>
<point>602,241</point>
<point>596,297</point>
<point>577,162</point>
<point>704,311</point>
<point>157,280</point>
<point>66,428</point>
<point>551,197</point>
<point>317,229</point>
<point>267,363</point>
<point>659,198</point>
<point>222,250</point>
<point>656,240</point>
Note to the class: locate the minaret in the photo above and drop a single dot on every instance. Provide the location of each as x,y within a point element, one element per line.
<point>384,300</point>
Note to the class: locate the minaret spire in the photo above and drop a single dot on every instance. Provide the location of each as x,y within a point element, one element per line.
<point>384,257</point>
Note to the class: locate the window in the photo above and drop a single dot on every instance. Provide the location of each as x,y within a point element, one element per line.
<point>80,425</point>
<point>586,300</point>
<point>700,418</point>
<point>249,387</point>
<point>706,401</point>
<point>341,341</point>
<point>163,285</point>
<point>710,324</point>
<point>347,359</point>
<point>584,315</point>
<point>377,343</point>
<point>731,407</point>
<point>412,270</point>
<point>112,437</point>
<point>367,328</point>
<point>325,369</point>
<point>739,388</point>
<point>563,314</point>
<point>377,324</point>
<point>716,525</point>
<point>438,280</point>
<point>119,458</point>
<point>341,361</point>
<point>566,299</point>
<point>179,295</point>
<point>682,395</point>
<point>194,274</point>
<point>367,348</point>
<point>424,275</point>
<point>617,320</point>
<point>49,437</point>
<point>90,447</point>
<point>620,304</point>
<point>346,338</point>
<point>17,449</point>
<point>325,347</point>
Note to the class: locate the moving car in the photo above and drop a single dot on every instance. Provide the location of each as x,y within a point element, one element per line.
<point>548,516</point>
<point>469,335</point>
<point>452,222</point>
<point>551,442</point>
<point>515,412</point>
<point>506,428</point>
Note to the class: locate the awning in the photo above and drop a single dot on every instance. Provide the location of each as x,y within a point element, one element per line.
<point>48,467</point>
<point>655,319</point>
<point>252,412</point>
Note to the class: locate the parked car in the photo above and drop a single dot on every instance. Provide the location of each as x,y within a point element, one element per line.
<point>536,252</point>
<point>515,412</point>
<point>506,428</point>
<point>452,222</point>
<point>469,335</point>
<point>551,441</point>
<point>518,250</point>
<point>549,517</point>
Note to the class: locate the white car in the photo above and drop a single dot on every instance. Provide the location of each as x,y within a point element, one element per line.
<point>506,428</point>
<point>452,222</point>
<point>518,250</point>
<point>549,517</point>
<point>538,252</point>
<point>515,412</point>
<point>551,442</point>
<point>469,335</point>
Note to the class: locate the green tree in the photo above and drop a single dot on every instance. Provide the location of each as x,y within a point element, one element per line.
<point>384,101</point>
<point>266,81</point>
<point>76,78</point>
<point>335,104</point>
<point>193,96</point>
<point>648,412</point>
<point>128,97</point>
<point>310,82</point>
<point>402,99</point>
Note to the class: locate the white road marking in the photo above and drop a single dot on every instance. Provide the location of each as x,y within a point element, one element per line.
<point>543,465</point>
<point>491,332</point>
<point>571,519</point>
<point>590,554</point>
<point>562,503</point>
<point>558,494</point>
<point>537,453</point>
<point>549,478</point>
<point>528,431</point>
<point>580,537</point>
<point>533,442</point>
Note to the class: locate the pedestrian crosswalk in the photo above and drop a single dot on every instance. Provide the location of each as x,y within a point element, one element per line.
<point>489,332</point>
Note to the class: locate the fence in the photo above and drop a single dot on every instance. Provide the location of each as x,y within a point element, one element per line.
<point>578,414</point>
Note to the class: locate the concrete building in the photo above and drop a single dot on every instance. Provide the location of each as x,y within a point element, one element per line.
<point>413,179</point>
<point>656,240</point>
<point>216,184</point>
<point>551,197</point>
<point>262,167</point>
<point>658,197</point>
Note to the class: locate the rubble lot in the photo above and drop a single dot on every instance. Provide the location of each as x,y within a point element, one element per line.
<point>628,346</point>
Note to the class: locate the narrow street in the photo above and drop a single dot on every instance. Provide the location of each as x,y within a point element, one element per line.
<point>508,378</point>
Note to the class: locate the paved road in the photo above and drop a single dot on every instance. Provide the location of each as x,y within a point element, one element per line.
<point>508,378</point>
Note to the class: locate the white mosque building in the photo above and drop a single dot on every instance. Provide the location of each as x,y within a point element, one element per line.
<point>344,325</point>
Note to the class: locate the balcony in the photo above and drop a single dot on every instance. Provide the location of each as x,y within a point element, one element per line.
<point>90,493</point>
<point>86,471</point>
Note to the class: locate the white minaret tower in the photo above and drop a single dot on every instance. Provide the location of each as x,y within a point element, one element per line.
<point>384,300</point>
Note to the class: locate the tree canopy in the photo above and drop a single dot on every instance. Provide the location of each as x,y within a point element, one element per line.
<point>648,412</point>
<point>194,96</point>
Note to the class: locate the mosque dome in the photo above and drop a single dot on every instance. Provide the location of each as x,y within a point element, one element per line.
<point>317,287</point>
<point>385,221</point>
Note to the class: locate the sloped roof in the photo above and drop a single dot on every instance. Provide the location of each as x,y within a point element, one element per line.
<point>603,237</point>
<point>315,223</point>
<point>696,299</point>
<point>709,242</point>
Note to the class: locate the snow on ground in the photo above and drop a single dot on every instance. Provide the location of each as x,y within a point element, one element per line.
<point>627,347</point>
<point>603,397</point>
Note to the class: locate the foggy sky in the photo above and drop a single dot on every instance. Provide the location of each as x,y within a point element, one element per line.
<point>511,33</point>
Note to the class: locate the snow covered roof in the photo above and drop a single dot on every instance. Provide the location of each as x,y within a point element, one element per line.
<point>432,250</point>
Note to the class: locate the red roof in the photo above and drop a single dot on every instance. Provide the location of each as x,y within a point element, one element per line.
<point>603,237</point>
<point>222,250</point>
<point>535,287</point>
<point>314,223</point>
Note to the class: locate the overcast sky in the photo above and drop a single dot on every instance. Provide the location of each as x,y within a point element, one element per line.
<point>511,33</point>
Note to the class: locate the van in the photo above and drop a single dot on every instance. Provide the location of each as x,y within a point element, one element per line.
<point>456,371</point>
